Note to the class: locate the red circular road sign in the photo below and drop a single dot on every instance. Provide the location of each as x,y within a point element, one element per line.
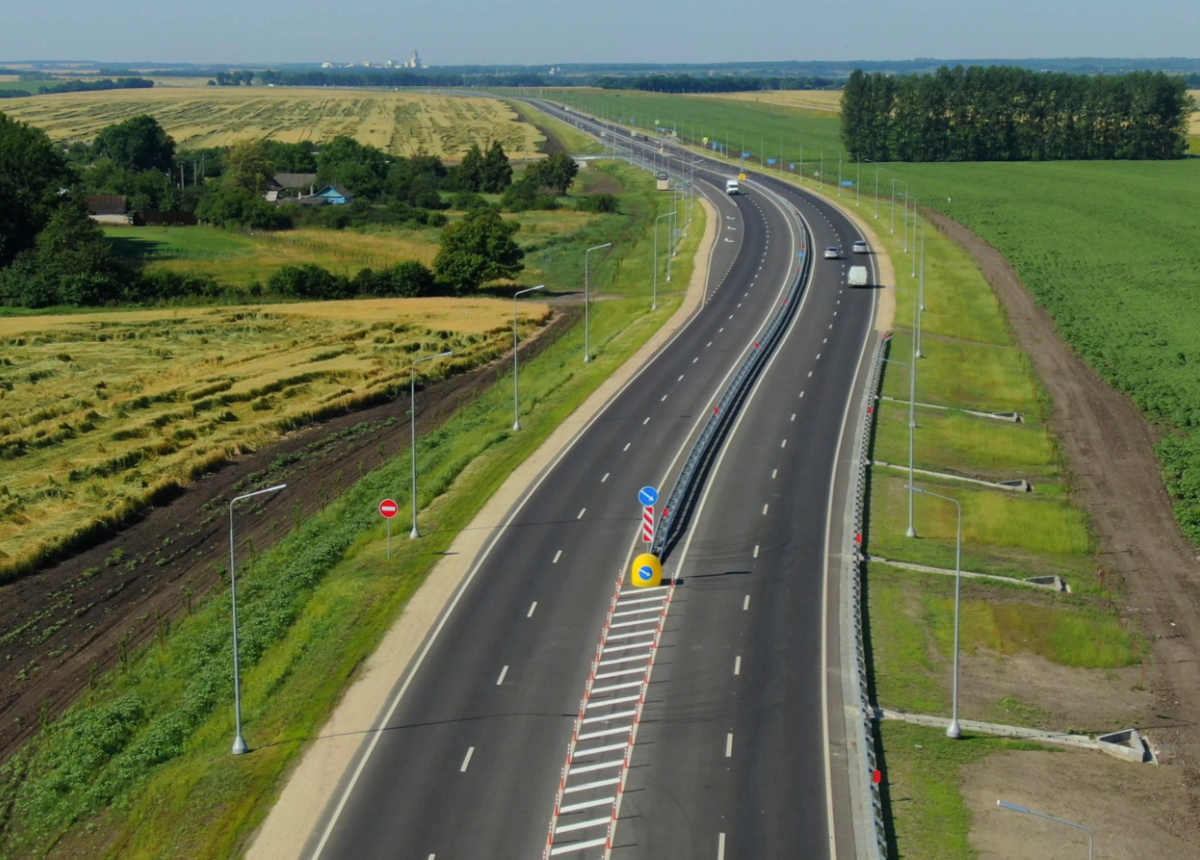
<point>389,508</point>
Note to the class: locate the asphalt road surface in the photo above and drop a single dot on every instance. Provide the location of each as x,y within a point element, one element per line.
<point>729,759</point>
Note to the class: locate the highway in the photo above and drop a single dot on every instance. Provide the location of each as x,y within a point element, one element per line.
<point>730,754</point>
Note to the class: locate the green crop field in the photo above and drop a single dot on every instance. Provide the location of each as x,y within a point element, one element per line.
<point>779,130</point>
<point>1110,248</point>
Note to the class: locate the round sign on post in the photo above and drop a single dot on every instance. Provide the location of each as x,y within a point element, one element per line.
<point>648,496</point>
<point>388,508</point>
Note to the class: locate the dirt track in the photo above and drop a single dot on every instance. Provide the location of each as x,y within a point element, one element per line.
<point>67,624</point>
<point>1114,476</point>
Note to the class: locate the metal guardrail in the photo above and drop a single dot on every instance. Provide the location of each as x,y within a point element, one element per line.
<point>679,504</point>
<point>866,718</point>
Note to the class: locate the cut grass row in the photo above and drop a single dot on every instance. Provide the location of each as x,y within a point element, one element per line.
<point>141,768</point>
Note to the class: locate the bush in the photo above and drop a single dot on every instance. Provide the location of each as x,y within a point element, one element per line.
<point>409,279</point>
<point>229,206</point>
<point>465,201</point>
<point>603,203</point>
<point>160,286</point>
<point>309,282</point>
<point>431,200</point>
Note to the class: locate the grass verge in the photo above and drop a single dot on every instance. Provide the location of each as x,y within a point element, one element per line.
<point>140,768</point>
<point>929,820</point>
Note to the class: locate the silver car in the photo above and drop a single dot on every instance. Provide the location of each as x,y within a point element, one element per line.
<point>833,253</point>
<point>860,247</point>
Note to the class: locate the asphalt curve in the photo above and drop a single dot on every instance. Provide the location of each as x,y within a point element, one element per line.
<point>468,763</point>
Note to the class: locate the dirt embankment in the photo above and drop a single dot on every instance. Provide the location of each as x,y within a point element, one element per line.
<point>64,626</point>
<point>1115,477</point>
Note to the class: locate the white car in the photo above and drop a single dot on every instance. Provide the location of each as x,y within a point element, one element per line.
<point>833,253</point>
<point>860,247</point>
<point>732,187</point>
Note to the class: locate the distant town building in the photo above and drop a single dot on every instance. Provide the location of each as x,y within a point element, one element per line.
<point>415,62</point>
<point>326,65</point>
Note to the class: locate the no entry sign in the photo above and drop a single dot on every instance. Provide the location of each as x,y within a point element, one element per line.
<point>389,508</point>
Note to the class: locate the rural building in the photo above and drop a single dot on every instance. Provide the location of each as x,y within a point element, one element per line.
<point>290,185</point>
<point>333,195</point>
<point>108,209</point>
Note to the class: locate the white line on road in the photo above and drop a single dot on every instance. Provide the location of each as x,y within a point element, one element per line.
<point>825,341</point>
<point>737,665</point>
<point>707,345</point>
<point>647,421</point>
<point>720,846</point>
<point>729,745</point>
<point>818,355</point>
<point>598,784</point>
<point>793,416</point>
<point>605,478</point>
<point>664,397</point>
<point>694,360</point>
<point>721,329</point>
<point>582,511</point>
<point>765,507</point>
<point>746,603</point>
<point>680,379</point>
<point>810,374</point>
<point>756,550</point>
<point>503,672</point>
<point>627,444</point>
<point>467,760</point>
<point>558,554</point>
<point>587,804</point>
<point>802,393</point>
<point>783,444</point>
<point>774,472</point>
<point>532,607</point>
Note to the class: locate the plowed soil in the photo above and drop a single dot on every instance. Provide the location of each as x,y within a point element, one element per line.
<point>66,625</point>
<point>1114,475</point>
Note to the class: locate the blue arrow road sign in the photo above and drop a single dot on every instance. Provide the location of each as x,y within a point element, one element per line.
<point>645,573</point>
<point>745,155</point>
<point>648,496</point>
<point>770,161</point>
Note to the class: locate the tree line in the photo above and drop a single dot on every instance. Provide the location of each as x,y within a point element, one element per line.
<point>1004,113</point>
<point>80,87</point>
<point>685,83</point>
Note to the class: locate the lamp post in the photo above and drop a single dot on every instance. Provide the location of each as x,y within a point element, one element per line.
<point>905,184</point>
<point>587,304</point>
<point>516,385</point>
<point>654,300</point>
<point>912,426</point>
<point>413,423</point>
<point>912,404</point>
<point>914,235</point>
<point>239,743</point>
<point>921,291</point>
<point>1012,807</point>
<point>953,731</point>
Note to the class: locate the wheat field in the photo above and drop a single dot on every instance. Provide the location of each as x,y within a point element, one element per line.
<point>825,101</point>
<point>102,413</point>
<point>402,123</point>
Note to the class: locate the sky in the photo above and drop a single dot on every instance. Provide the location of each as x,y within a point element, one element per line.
<point>530,32</point>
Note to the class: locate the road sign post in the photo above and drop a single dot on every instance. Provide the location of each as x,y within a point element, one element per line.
<point>388,509</point>
<point>648,524</point>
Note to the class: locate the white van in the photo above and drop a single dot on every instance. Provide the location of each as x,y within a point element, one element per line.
<point>731,186</point>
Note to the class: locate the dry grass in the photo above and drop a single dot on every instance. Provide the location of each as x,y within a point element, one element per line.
<point>825,101</point>
<point>99,413</point>
<point>1194,126</point>
<point>403,123</point>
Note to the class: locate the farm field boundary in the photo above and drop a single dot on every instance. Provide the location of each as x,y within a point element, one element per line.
<point>201,802</point>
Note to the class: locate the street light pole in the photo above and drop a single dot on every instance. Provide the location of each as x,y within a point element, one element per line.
<point>587,351</point>
<point>912,427</point>
<point>239,743</point>
<point>914,241</point>
<point>412,420</point>
<point>921,292</point>
<point>654,300</point>
<point>1012,807</point>
<point>516,386</point>
<point>953,731</point>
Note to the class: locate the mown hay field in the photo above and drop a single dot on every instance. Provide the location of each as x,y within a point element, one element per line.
<point>402,123</point>
<point>1194,126</point>
<point>828,101</point>
<point>240,259</point>
<point>101,414</point>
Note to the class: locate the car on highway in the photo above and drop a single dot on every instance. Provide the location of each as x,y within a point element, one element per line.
<point>731,187</point>
<point>833,253</point>
<point>860,247</point>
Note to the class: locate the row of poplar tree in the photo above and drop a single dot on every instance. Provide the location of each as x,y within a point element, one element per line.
<point>1002,113</point>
